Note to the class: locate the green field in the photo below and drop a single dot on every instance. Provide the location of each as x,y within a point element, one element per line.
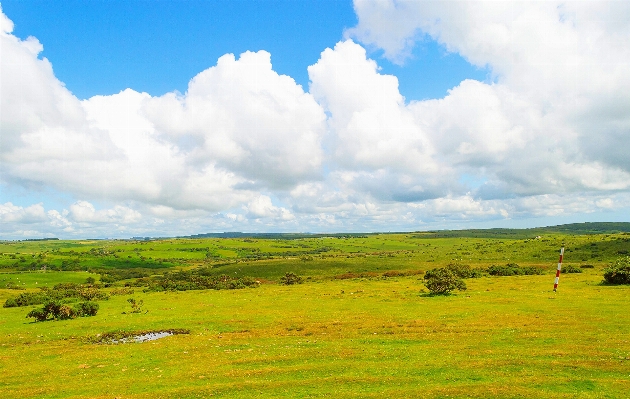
<point>361,325</point>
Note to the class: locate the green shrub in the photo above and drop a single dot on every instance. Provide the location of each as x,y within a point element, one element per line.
<point>56,310</point>
<point>571,269</point>
<point>85,309</point>
<point>512,269</point>
<point>10,303</point>
<point>587,267</point>
<point>136,306</point>
<point>291,278</point>
<point>47,295</point>
<point>463,271</point>
<point>12,286</point>
<point>442,281</point>
<point>618,272</point>
<point>38,314</point>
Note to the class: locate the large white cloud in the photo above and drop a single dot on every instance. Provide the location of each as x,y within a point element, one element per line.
<point>245,148</point>
<point>553,121</point>
<point>239,128</point>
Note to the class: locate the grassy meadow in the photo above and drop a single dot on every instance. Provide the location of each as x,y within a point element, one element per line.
<point>361,325</point>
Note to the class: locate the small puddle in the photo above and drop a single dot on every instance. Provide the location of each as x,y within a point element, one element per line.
<point>144,337</point>
<point>123,337</point>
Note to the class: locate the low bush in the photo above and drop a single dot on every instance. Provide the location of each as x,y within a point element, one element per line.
<point>12,286</point>
<point>85,309</point>
<point>197,280</point>
<point>58,293</point>
<point>512,269</point>
<point>56,310</point>
<point>618,272</point>
<point>291,278</point>
<point>121,291</point>
<point>587,267</point>
<point>571,269</point>
<point>464,271</point>
<point>442,281</point>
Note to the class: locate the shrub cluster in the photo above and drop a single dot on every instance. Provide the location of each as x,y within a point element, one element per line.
<point>512,269</point>
<point>56,310</point>
<point>464,271</point>
<point>112,275</point>
<point>57,293</point>
<point>291,278</point>
<point>12,286</point>
<point>196,280</point>
<point>571,269</point>
<point>618,272</point>
<point>442,281</point>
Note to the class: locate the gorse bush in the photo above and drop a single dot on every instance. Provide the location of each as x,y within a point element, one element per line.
<point>442,281</point>
<point>198,280</point>
<point>58,293</point>
<point>88,308</point>
<point>464,271</point>
<point>571,269</point>
<point>512,269</point>
<point>618,272</point>
<point>291,278</point>
<point>57,310</point>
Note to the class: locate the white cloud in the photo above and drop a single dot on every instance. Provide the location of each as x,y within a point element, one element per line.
<point>548,137</point>
<point>83,211</point>
<point>372,128</point>
<point>262,208</point>
<point>10,213</point>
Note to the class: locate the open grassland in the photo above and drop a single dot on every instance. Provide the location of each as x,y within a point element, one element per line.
<point>353,329</point>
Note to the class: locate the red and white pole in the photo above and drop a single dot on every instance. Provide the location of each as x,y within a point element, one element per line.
<point>555,283</point>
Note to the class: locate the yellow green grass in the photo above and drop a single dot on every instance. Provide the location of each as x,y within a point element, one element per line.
<point>504,337</point>
<point>337,335</point>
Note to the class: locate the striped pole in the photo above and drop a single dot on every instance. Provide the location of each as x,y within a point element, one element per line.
<point>555,283</point>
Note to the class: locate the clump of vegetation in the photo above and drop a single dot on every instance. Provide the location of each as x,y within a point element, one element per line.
<point>13,286</point>
<point>464,271</point>
<point>136,306</point>
<point>571,269</point>
<point>291,278</point>
<point>587,267</point>
<point>618,272</point>
<point>56,310</point>
<point>512,269</point>
<point>57,293</point>
<point>442,281</point>
<point>111,276</point>
<point>198,280</point>
<point>121,291</point>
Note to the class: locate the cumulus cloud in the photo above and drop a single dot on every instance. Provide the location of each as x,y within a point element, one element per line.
<point>10,213</point>
<point>262,208</point>
<point>247,148</point>
<point>551,122</point>
<point>239,128</point>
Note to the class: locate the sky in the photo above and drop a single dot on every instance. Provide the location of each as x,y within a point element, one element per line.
<point>170,118</point>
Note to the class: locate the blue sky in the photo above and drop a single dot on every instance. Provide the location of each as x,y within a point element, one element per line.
<point>103,47</point>
<point>405,115</point>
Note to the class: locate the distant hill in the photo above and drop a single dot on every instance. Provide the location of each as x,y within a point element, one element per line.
<point>592,227</point>
<point>573,228</point>
<point>278,236</point>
